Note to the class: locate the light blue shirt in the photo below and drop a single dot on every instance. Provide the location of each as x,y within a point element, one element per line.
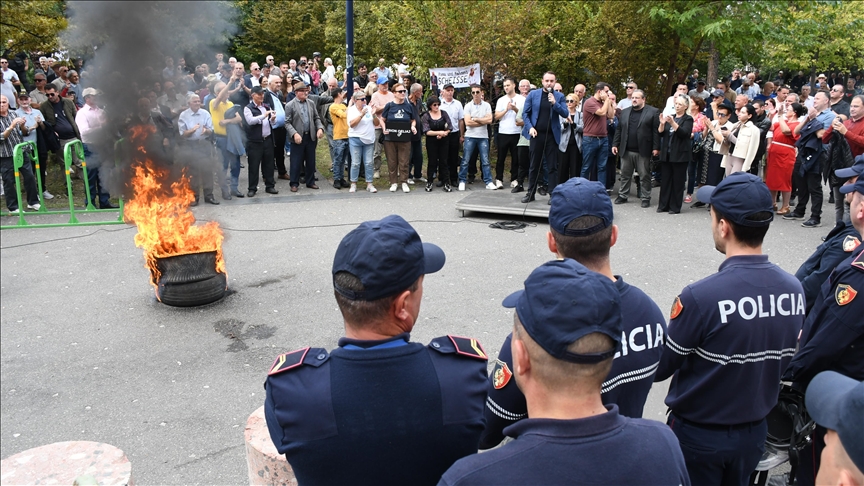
<point>826,117</point>
<point>278,108</point>
<point>31,121</point>
<point>383,72</point>
<point>188,119</point>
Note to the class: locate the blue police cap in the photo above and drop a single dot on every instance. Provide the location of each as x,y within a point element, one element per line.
<point>576,198</point>
<point>387,256</point>
<point>563,301</point>
<point>856,170</point>
<point>738,196</point>
<point>836,402</point>
<point>857,187</point>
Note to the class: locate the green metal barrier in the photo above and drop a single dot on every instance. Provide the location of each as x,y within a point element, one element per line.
<point>18,160</point>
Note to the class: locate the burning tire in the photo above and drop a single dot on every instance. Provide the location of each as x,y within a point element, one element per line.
<point>189,280</point>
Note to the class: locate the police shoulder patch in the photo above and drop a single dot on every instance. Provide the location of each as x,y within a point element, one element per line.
<point>468,347</point>
<point>850,243</point>
<point>501,374</point>
<point>844,294</point>
<point>677,307</point>
<point>287,361</point>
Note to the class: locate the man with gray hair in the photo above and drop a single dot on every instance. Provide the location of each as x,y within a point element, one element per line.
<point>196,151</point>
<point>637,139</point>
<point>415,163</point>
<point>280,133</point>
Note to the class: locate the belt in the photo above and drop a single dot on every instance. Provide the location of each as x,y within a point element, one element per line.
<point>745,425</point>
<point>591,136</point>
<point>783,144</point>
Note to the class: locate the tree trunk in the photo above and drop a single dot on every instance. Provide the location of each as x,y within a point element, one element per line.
<point>713,66</point>
<point>671,78</point>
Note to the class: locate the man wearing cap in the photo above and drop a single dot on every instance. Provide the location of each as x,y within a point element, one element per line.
<point>562,350</point>
<point>836,402</point>
<point>379,408</point>
<point>730,337</point>
<point>90,120</point>
<point>699,91</point>
<point>12,129</point>
<point>838,245</point>
<point>581,228</point>
<point>304,126</point>
<point>832,338</point>
<point>34,121</point>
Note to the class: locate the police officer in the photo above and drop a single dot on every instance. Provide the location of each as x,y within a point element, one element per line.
<point>730,337</point>
<point>842,241</point>
<point>836,402</point>
<point>378,409</point>
<point>563,349</point>
<point>581,228</point>
<point>833,334</point>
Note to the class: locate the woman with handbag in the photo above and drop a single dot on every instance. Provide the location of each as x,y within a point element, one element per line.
<point>781,156</point>
<point>746,136</point>
<point>675,154</point>
<point>699,121</point>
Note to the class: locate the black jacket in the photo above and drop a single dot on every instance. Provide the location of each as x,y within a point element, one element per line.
<point>680,140</point>
<point>645,131</point>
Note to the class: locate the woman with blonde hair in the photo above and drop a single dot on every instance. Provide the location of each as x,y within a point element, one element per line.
<point>746,136</point>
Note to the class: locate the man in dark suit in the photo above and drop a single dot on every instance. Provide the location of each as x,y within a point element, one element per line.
<point>637,139</point>
<point>304,129</point>
<point>539,115</point>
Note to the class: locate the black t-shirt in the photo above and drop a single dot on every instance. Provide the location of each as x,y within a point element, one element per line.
<point>850,93</point>
<point>632,139</point>
<point>543,115</point>
<point>841,108</point>
<point>62,125</point>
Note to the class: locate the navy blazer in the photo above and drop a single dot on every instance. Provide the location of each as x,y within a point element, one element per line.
<point>532,109</point>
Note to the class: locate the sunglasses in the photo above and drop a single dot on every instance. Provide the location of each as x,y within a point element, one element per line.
<point>571,101</point>
<point>50,95</point>
<point>475,92</point>
<point>399,91</point>
<point>631,87</point>
<point>722,115</point>
<point>434,105</point>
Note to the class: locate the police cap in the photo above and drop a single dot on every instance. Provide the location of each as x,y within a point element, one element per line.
<point>836,402</point>
<point>856,170</point>
<point>576,198</point>
<point>563,301</point>
<point>387,256</point>
<point>857,187</point>
<point>739,196</point>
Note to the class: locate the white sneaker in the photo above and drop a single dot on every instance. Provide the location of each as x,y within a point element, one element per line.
<point>514,183</point>
<point>371,188</point>
<point>393,187</point>
<point>377,175</point>
<point>353,187</point>
<point>499,184</point>
<point>47,195</point>
<point>405,187</point>
<point>422,179</point>
<point>34,207</point>
<point>411,181</point>
<point>491,186</point>
<point>461,186</point>
<point>14,211</point>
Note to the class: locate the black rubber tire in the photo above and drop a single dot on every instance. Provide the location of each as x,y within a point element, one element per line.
<point>190,294</point>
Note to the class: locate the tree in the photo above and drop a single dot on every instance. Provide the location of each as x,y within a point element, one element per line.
<point>32,25</point>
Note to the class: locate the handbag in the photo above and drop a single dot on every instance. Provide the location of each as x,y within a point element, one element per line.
<point>698,142</point>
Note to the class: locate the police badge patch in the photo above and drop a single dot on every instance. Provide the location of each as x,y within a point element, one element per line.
<point>677,307</point>
<point>844,294</point>
<point>850,243</point>
<point>501,374</point>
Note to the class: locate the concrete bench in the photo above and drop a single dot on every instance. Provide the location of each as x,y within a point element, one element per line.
<point>64,462</point>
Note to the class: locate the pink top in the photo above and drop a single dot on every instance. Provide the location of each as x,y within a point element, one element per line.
<point>699,123</point>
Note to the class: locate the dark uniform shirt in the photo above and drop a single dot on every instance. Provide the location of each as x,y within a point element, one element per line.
<point>833,335</point>
<point>813,272</point>
<point>377,412</point>
<point>629,380</point>
<point>604,449</point>
<point>730,337</point>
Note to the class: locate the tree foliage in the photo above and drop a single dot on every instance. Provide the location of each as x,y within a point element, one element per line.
<point>31,25</point>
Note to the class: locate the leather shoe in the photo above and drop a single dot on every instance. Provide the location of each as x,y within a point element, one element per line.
<point>336,184</point>
<point>236,193</point>
<point>344,183</point>
<point>541,190</point>
<point>250,194</point>
<point>194,203</point>
<point>528,198</point>
<point>285,177</point>
<point>108,206</point>
<point>293,188</point>
<point>620,200</point>
<point>645,204</point>
<point>271,190</point>
<point>211,200</point>
<point>313,186</point>
<point>517,189</point>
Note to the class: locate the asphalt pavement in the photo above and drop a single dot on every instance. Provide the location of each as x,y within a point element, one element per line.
<point>88,353</point>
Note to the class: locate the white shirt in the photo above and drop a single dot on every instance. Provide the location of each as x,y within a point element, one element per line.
<point>477,111</point>
<point>809,102</point>
<point>365,129</point>
<point>89,119</point>
<point>10,75</point>
<point>625,103</point>
<point>454,110</point>
<point>507,123</point>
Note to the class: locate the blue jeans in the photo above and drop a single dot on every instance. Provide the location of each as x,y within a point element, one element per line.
<point>339,151</point>
<point>97,187</point>
<point>229,161</point>
<point>361,153</point>
<point>482,144</point>
<point>595,151</point>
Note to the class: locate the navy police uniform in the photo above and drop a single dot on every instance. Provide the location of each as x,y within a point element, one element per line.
<point>600,448</point>
<point>815,270</point>
<point>730,337</point>
<point>377,412</point>
<point>629,381</point>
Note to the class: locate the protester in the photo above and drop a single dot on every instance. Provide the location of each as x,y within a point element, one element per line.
<point>12,130</point>
<point>227,128</point>
<point>436,126</point>
<point>675,154</point>
<point>91,120</point>
<point>400,116</point>
<point>781,157</point>
<point>338,114</point>
<point>361,141</point>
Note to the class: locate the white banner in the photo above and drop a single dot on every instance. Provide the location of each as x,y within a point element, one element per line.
<point>460,77</point>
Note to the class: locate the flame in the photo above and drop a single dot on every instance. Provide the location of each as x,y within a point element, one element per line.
<point>160,210</point>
